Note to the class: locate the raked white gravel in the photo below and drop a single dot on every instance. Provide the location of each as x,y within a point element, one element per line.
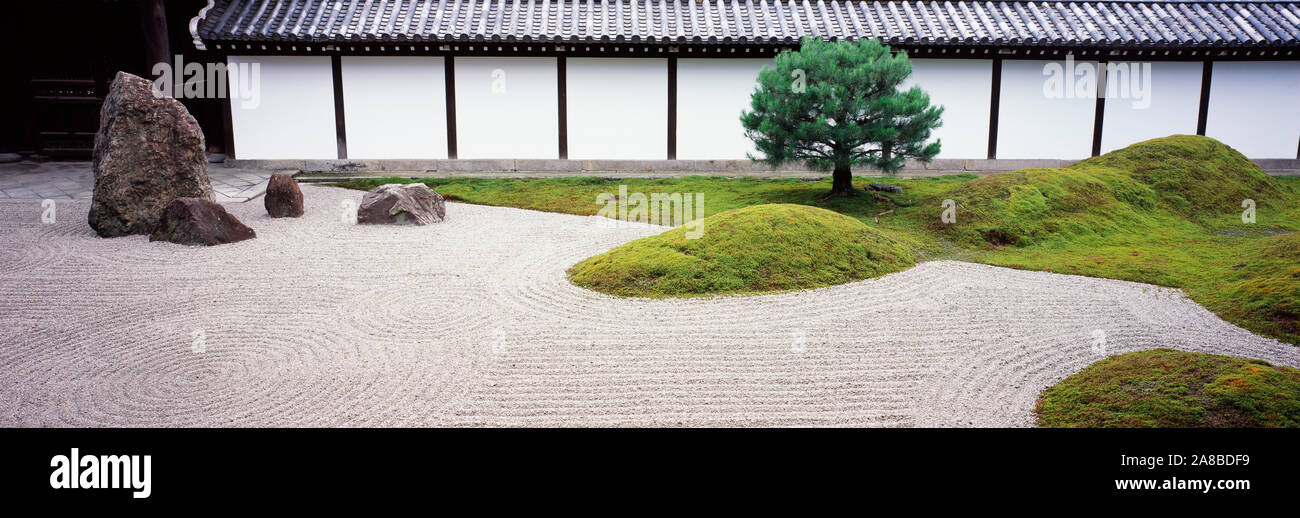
<point>471,323</point>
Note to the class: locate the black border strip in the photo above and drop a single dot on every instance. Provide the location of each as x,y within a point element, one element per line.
<point>995,100</point>
<point>562,97</point>
<point>1207,73</point>
<point>449,82</point>
<point>340,124</point>
<point>672,108</point>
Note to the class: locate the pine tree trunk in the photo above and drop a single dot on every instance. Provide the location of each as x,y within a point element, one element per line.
<point>841,181</point>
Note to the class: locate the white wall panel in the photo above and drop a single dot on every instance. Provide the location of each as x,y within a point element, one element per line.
<point>395,107</point>
<point>617,108</point>
<point>1034,125</point>
<point>711,94</point>
<point>293,117</point>
<point>962,86</point>
<point>1255,107</point>
<point>1172,104</point>
<point>506,108</point>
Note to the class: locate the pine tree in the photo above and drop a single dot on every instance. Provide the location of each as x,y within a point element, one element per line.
<point>834,105</point>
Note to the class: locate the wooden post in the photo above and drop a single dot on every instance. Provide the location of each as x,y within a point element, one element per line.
<point>1099,111</point>
<point>153,28</point>
<point>995,99</point>
<point>1203,113</point>
<point>562,87</point>
<point>449,94</point>
<point>672,108</point>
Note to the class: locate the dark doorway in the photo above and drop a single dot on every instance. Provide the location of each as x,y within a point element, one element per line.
<point>63,56</point>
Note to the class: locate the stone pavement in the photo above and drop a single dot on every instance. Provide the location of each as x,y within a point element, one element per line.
<point>76,181</point>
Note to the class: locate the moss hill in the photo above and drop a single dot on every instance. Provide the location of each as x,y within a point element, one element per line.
<point>764,248</point>
<point>1163,185</point>
<point>1166,211</point>
<point>1166,388</point>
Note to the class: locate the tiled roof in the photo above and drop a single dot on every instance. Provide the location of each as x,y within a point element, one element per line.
<point>1165,24</point>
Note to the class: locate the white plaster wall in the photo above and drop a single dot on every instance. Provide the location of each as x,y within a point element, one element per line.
<point>1033,125</point>
<point>519,118</point>
<point>1255,107</point>
<point>617,108</point>
<point>962,86</point>
<point>293,116</point>
<point>711,94</point>
<point>1172,104</point>
<point>395,107</point>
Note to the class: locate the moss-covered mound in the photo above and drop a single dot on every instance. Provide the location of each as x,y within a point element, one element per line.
<point>764,248</point>
<point>1167,388</point>
<point>1166,211</point>
<point>1196,177</point>
<point>1160,185</point>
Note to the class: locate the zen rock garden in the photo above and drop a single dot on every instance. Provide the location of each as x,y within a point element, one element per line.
<point>151,178</point>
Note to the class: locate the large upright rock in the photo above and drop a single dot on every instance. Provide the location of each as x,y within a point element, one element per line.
<point>194,221</point>
<point>401,204</point>
<point>148,152</point>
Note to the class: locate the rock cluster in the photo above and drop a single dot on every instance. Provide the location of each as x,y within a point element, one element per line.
<point>148,152</point>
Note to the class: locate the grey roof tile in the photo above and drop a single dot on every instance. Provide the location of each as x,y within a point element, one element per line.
<point>1169,23</point>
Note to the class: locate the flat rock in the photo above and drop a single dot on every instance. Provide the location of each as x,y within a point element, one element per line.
<point>148,152</point>
<point>401,204</point>
<point>195,221</point>
<point>884,187</point>
<point>283,197</point>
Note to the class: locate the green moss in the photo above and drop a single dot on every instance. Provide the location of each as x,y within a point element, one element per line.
<point>759,249</point>
<point>1166,211</point>
<point>1197,177</point>
<point>1045,206</point>
<point>1167,388</point>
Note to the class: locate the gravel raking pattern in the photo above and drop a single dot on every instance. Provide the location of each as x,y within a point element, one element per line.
<point>471,322</point>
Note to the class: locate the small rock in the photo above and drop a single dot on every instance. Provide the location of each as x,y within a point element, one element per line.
<point>884,187</point>
<point>283,197</point>
<point>401,204</point>
<point>195,221</point>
